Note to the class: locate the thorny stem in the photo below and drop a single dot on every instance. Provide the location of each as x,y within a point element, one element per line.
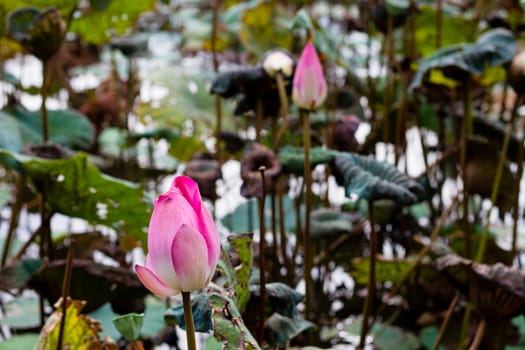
<point>65,292</point>
<point>519,174</point>
<point>259,119</point>
<point>308,258</point>
<point>262,249</point>
<point>188,320</point>
<point>365,326</point>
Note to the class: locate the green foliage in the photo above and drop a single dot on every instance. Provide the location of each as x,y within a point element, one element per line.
<point>493,48</point>
<point>66,127</point>
<point>129,325</point>
<point>17,274</point>
<point>22,313</point>
<point>153,318</point>
<point>99,26</point>
<point>386,337</point>
<point>328,222</point>
<point>292,158</point>
<point>228,326</point>
<point>373,180</point>
<point>201,309</point>
<point>75,187</point>
<point>242,245</point>
<point>80,332</point>
<point>25,341</point>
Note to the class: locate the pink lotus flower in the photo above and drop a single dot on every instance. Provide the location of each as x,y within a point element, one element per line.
<point>309,86</point>
<point>183,245</point>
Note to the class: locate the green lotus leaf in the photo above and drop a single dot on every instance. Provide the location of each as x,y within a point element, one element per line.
<point>292,158</point>
<point>494,48</point>
<point>373,180</point>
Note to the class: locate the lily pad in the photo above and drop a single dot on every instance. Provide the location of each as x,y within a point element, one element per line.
<point>329,222</point>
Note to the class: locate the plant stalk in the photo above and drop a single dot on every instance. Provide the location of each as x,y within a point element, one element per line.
<point>480,332</point>
<point>65,292</point>
<point>308,258</point>
<point>367,311</point>
<point>283,99</point>
<point>43,108</point>
<point>262,258</point>
<point>188,320</point>
<point>15,213</point>
<point>465,131</point>
<point>444,324</point>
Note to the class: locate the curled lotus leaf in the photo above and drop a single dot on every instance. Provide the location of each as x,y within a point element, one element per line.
<point>292,158</point>
<point>39,32</point>
<point>494,48</point>
<point>372,180</point>
<point>497,291</point>
<point>329,222</point>
<point>205,172</point>
<point>258,156</point>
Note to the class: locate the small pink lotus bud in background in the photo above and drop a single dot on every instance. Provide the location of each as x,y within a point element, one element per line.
<point>309,86</point>
<point>183,244</point>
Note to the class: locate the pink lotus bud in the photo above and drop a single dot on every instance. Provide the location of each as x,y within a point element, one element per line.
<point>183,245</point>
<point>309,86</point>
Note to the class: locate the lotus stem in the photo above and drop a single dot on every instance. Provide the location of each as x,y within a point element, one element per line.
<point>43,108</point>
<point>259,119</point>
<point>465,130</point>
<point>439,22</point>
<point>282,230</point>
<point>444,324</point>
<point>367,310</point>
<point>15,212</point>
<point>519,174</point>
<point>218,109</point>
<point>262,267</point>
<point>65,292</point>
<point>494,195</point>
<point>188,320</point>
<point>308,258</point>
<point>275,251</point>
<point>480,332</point>
<point>389,77</point>
<point>283,99</point>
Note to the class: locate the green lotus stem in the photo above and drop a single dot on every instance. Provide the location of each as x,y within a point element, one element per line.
<point>262,267</point>
<point>367,309</point>
<point>259,119</point>
<point>494,195</point>
<point>65,292</point>
<point>401,122</point>
<point>439,22</point>
<point>519,174</point>
<point>308,258</point>
<point>480,332</point>
<point>444,324</point>
<point>275,252</point>
<point>282,230</point>
<point>422,253</point>
<point>389,77</point>
<point>464,326</point>
<point>13,220</point>
<point>283,99</point>
<point>43,108</point>
<point>465,131</point>
<point>218,109</point>
<point>188,320</point>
